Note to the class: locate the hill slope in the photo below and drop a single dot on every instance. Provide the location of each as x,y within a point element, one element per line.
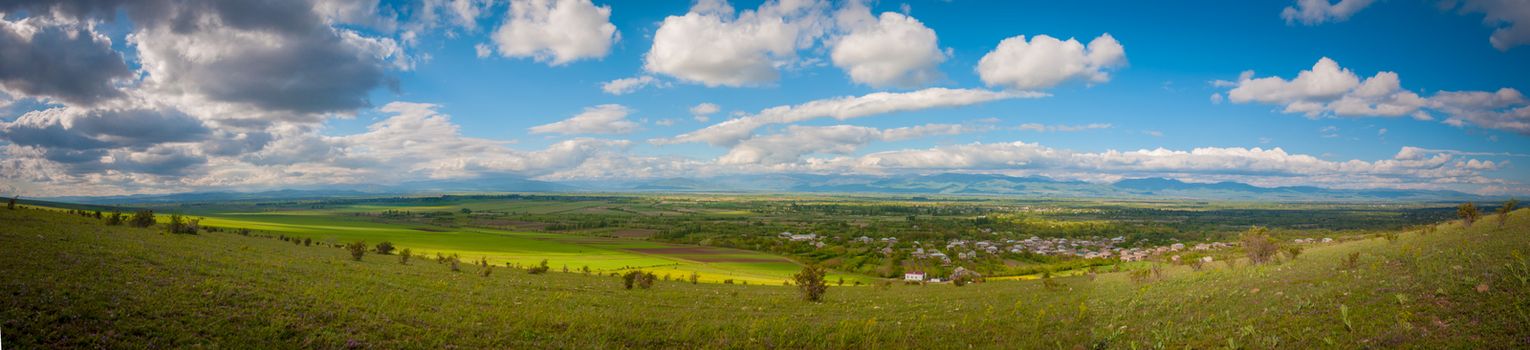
<point>72,282</point>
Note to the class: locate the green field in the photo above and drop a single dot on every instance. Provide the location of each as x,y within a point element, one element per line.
<point>600,254</point>
<point>72,282</point>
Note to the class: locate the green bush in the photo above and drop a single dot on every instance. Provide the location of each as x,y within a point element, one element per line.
<point>810,282</point>
<point>115,219</point>
<point>357,249</point>
<point>142,218</point>
<point>539,269</point>
<point>1468,213</point>
<point>403,256</point>
<point>385,248</point>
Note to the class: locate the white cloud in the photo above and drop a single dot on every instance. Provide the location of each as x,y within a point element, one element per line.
<point>1330,90</point>
<point>732,131</point>
<point>890,50</point>
<point>711,46</point>
<point>482,50</point>
<point>556,31</point>
<point>1037,127</point>
<point>703,111</point>
<point>625,86</point>
<point>1507,17</point>
<point>1313,12</point>
<point>1044,61</point>
<point>602,119</point>
<point>796,141</point>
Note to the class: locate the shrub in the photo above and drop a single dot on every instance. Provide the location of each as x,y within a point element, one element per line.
<point>1291,251</point>
<point>810,282</point>
<point>115,219</point>
<point>385,248</point>
<point>695,277</point>
<point>1258,244</point>
<point>307,242</point>
<point>11,204</point>
<point>1468,213</point>
<point>1350,262</point>
<point>142,218</point>
<point>1503,211</point>
<point>630,278</point>
<point>539,269</point>
<point>453,263</point>
<point>1390,236</point>
<point>485,270</point>
<point>841,281</point>
<point>357,249</point>
<point>403,256</point>
<point>1198,264</point>
<point>645,280</point>
<point>180,225</point>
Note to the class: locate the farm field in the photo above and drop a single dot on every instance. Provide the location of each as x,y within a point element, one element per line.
<point>74,282</point>
<point>573,252</point>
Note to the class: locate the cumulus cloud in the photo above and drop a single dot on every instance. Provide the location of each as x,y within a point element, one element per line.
<point>711,45</point>
<point>556,31</point>
<point>797,141</point>
<point>890,50</point>
<point>1044,61</point>
<point>1248,164</point>
<point>1330,90</point>
<point>1507,17</point>
<point>602,119</point>
<point>1313,12</point>
<point>730,132</point>
<point>1037,127</point>
<point>625,86</point>
<point>58,60</point>
<point>703,111</point>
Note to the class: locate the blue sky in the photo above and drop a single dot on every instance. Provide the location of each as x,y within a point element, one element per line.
<point>1176,86</point>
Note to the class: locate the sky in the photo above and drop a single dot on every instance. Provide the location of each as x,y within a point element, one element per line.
<point>112,97</point>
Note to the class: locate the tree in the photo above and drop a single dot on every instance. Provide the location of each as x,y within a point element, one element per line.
<point>1503,212</point>
<point>11,204</point>
<point>1258,244</point>
<point>385,248</point>
<point>142,218</point>
<point>539,269</point>
<point>403,256</point>
<point>115,219</point>
<point>810,282</point>
<point>357,249</point>
<point>1468,213</point>
<point>180,225</point>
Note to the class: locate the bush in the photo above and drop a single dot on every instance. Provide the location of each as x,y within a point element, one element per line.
<point>11,204</point>
<point>1468,213</point>
<point>357,249</point>
<point>180,225</point>
<point>403,256</point>
<point>810,282</point>
<point>1350,262</point>
<point>454,264</point>
<point>307,242</point>
<point>142,218</point>
<point>1258,244</point>
<point>385,248</point>
<point>638,278</point>
<point>539,269</point>
<point>115,219</point>
<point>1292,251</point>
<point>485,270</point>
<point>1390,236</point>
<point>1503,211</point>
<point>695,278</point>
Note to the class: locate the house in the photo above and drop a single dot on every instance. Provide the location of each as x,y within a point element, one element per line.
<point>803,237</point>
<point>913,276</point>
<point>1177,247</point>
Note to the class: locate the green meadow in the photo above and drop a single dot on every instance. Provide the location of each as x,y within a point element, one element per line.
<point>571,251</point>
<point>72,282</point>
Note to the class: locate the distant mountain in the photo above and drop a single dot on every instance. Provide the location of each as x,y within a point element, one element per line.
<point>908,184</point>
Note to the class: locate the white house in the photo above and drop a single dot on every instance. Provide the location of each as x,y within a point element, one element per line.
<point>913,276</point>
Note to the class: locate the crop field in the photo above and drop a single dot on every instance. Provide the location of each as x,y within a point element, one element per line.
<point>575,252</point>
<point>74,282</point>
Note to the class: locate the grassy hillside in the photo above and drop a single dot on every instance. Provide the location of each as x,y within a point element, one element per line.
<point>72,282</point>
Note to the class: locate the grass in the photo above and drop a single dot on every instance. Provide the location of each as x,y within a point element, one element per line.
<point>603,255</point>
<point>71,282</point>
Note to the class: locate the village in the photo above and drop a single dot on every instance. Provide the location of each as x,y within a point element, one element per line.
<point>958,251</point>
